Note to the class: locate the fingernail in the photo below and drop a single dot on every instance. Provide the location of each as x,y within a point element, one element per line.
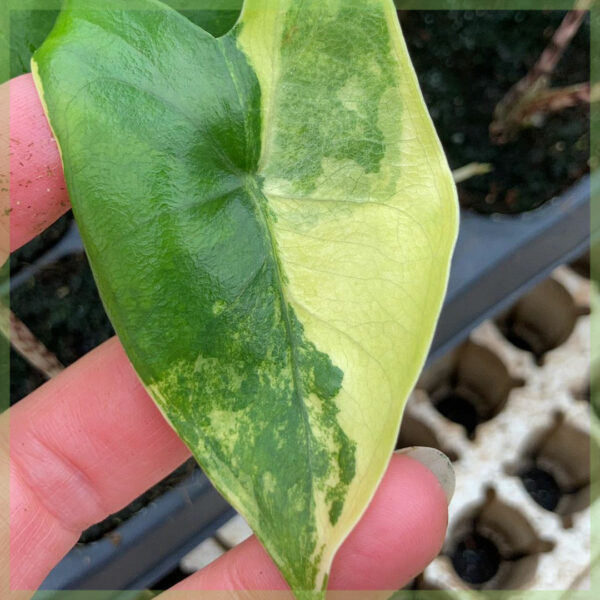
<point>437,462</point>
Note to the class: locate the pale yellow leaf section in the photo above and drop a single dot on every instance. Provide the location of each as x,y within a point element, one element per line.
<point>366,256</point>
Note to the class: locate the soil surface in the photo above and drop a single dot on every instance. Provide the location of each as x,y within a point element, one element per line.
<point>466,62</point>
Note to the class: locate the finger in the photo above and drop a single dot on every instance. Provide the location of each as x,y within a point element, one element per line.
<point>400,533</point>
<point>38,193</point>
<point>81,447</point>
<point>4,174</point>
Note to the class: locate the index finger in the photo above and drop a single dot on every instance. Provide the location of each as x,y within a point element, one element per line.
<point>37,190</point>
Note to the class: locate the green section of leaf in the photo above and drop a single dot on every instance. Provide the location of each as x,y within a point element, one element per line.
<point>28,30</point>
<point>269,219</point>
<point>216,21</point>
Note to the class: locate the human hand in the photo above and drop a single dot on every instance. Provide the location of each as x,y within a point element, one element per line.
<point>89,441</point>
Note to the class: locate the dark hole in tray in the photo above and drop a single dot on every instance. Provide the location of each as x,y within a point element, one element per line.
<point>523,342</point>
<point>541,486</point>
<point>585,394</point>
<point>476,558</point>
<point>493,546</point>
<point>456,407</point>
<point>469,386</point>
<point>542,319</point>
<point>555,469</point>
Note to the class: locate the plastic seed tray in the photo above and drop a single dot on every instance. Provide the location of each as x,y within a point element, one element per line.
<point>511,406</point>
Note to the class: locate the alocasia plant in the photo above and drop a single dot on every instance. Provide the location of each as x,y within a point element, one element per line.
<point>269,217</point>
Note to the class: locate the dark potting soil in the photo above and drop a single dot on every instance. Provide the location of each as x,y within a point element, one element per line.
<point>60,305</point>
<point>466,62</point>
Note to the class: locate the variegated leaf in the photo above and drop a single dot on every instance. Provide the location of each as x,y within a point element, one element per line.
<point>269,217</point>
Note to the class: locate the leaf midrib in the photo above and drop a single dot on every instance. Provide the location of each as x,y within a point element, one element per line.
<point>260,201</point>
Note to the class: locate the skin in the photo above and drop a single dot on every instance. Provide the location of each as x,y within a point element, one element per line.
<point>89,441</point>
